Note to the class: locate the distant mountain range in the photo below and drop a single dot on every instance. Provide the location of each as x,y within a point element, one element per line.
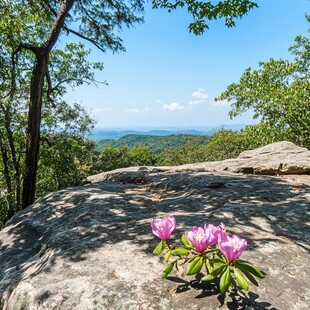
<point>103,134</point>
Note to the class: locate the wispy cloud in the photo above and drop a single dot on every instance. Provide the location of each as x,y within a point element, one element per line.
<point>195,102</point>
<point>158,101</point>
<point>138,110</point>
<point>100,110</point>
<point>223,103</point>
<point>199,96</point>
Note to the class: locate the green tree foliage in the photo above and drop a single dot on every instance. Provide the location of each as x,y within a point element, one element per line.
<point>205,11</point>
<point>29,31</point>
<point>279,94</point>
<point>187,153</point>
<point>221,145</point>
<point>154,143</point>
<point>226,144</point>
<point>112,158</point>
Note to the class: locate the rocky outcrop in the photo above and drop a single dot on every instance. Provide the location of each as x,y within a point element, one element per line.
<point>90,247</point>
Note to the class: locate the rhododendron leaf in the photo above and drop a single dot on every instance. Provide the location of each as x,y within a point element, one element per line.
<point>185,241</point>
<point>160,247</point>
<point>226,279</point>
<point>195,266</point>
<point>250,277</point>
<point>219,261</point>
<point>241,280</point>
<point>208,277</point>
<point>167,256</point>
<point>233,283</point>
<point>219,271</point>
<point>192,258</point>
<point>167,270</point>
<point>243,265</point>
<point>179,252</point>
<point>209,266</point>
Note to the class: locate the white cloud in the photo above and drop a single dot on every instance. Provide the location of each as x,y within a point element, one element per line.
<point>158,101</point>
<point>223,103</point>
<point>138,110</point>
<point>200,94</point>
<point>174,106</point>
<point>195,102</point>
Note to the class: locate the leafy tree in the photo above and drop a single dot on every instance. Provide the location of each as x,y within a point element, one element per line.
<point>112,158</point>
<point>140,156</point>
<point>279,94</point>
<point>33,28</point>
<point>187,153</point>
<point>221,145</point>
<point>226,144</point>
<point>205,11</point>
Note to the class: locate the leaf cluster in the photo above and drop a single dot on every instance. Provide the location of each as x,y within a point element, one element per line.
<point>203,12</point>
<point>232,275</point>
<point>278,93</point>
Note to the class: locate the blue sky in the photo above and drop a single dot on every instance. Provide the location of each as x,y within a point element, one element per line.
<point>168,77</point>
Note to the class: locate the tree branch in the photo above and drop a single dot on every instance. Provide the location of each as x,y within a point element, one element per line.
<point>85,38</point>
<point>65,7</point>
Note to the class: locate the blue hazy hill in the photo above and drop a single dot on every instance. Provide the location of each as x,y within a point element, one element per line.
<point>103,134</point>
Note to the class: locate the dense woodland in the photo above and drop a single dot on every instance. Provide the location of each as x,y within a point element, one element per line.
<point>157,144</point>
<point>44,143</point>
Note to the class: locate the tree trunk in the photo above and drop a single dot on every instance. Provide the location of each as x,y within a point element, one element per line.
<point>40,70</point>
<point>10,138</point>
<point>33,129</point>
<point>6,173</point>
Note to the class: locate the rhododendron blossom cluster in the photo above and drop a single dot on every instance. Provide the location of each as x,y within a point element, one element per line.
<point>207,247</point>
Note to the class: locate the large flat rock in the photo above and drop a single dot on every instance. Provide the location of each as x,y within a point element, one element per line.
<point>91,247</point>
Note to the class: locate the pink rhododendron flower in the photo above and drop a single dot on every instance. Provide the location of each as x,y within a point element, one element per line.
<point>162,228</point>
<point>214,232</point>
<point>232,246</point>
<point>222,229</point>
<point>198,238</point>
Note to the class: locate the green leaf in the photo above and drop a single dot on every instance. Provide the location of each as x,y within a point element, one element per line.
<point>179,251</point>
<point>195,266</point>
<point>192,258</point>
<point>185,241</point>
<point>226,279</point>
<point>250,277</point>
<point>209,265</point>
<point>160,247</point>
<point>167,270</point>
<point>241,280</point>
<point>167,256</point>
<point>208,277</point>
<point>219,261</point>
<point>219,271</point>
<point>243,265</point>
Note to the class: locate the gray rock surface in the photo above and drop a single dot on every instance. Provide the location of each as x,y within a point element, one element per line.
<point>91,247</point>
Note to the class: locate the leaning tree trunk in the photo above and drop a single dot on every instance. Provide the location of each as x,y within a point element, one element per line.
<point>40,70</point>
<point>33,129</point>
